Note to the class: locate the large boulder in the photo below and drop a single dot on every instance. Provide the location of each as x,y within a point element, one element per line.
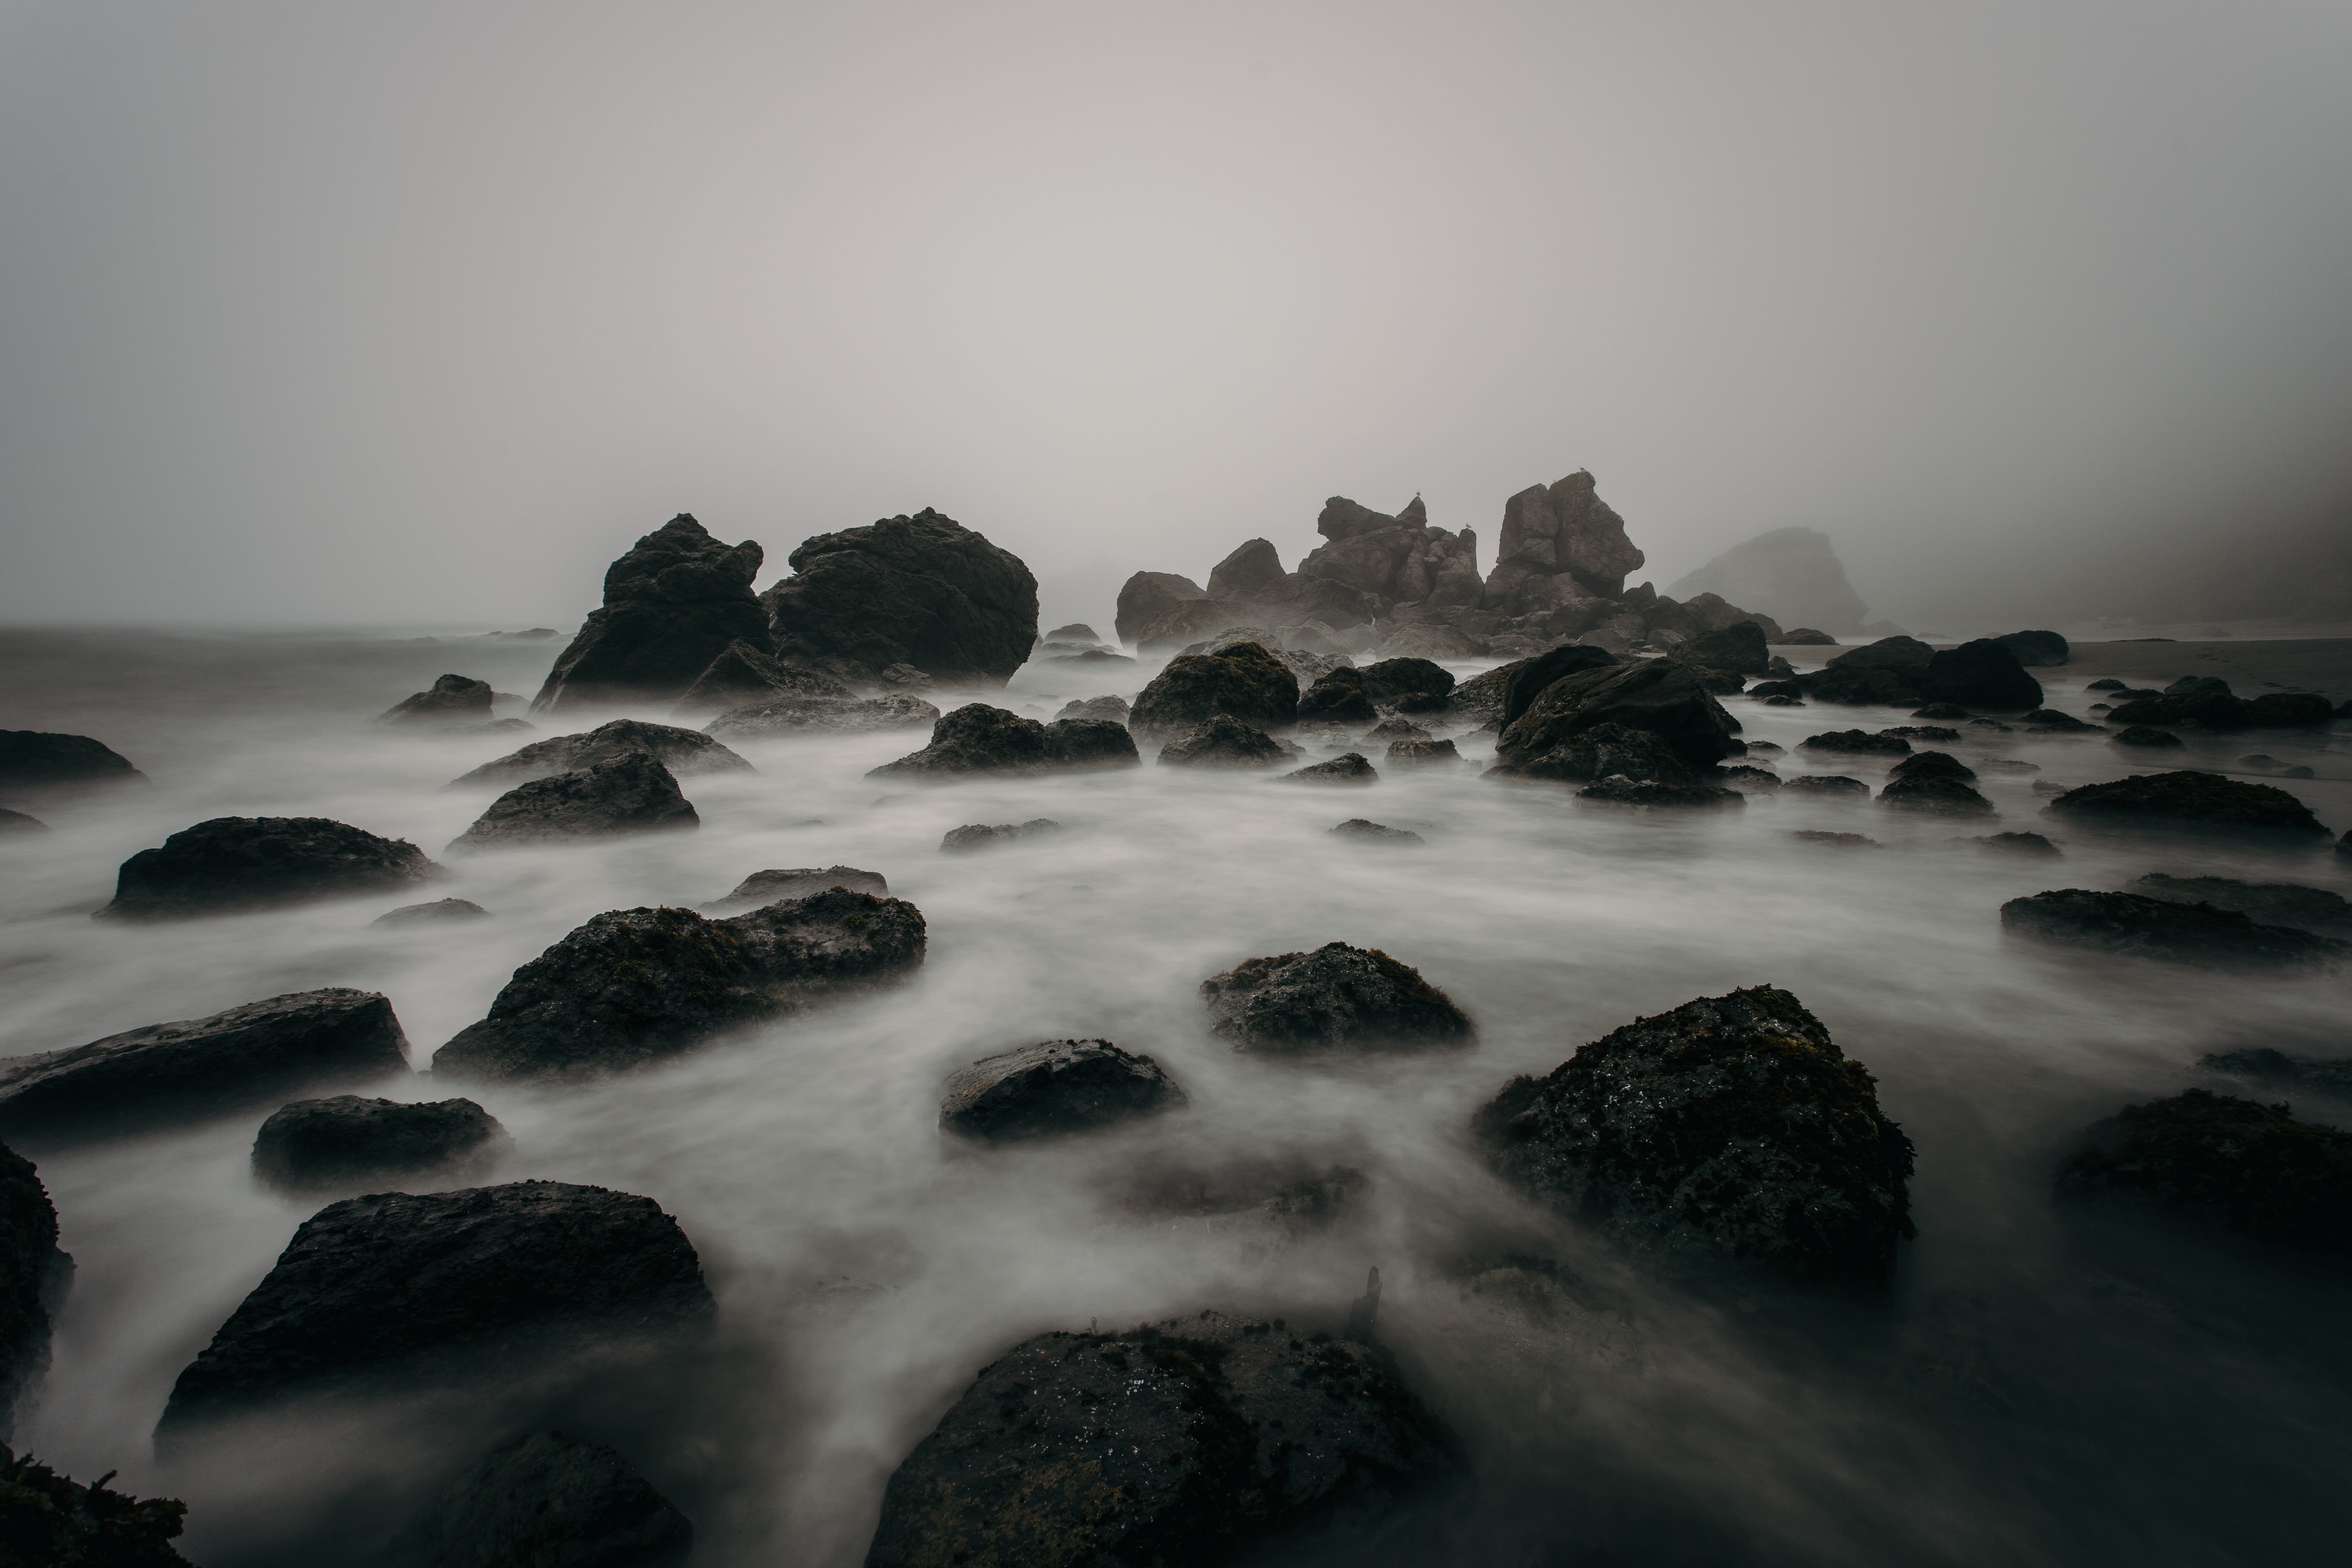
<point>230,865</point>
<point>745,673</point>
<point>1193,620</point>
<point>1792,573</point>
<point>1243,681</point>
<point>2126,923</point>
<point>1414,685</point>
<point>2270,903</point>
<point>1337,697</point>
<point>32,1275</point>
<point>979,739</point>
<point>685,752</point>
<point>1516,686</point>
<point>1731,1130</point>
<point>1739,648</point>
<point>371,1284</point>
<point>630,794</point>
<point>633,986</point>
<point>49,1521</point>
<point>37,767</point>
<point>1610,750</point>
<point>451,700</point>
<point>792,714</point>
<point>1183,1443</point>
<point>1381,561</point>
<point>1983,673</point>
<point>1310,665</point>
<point>672,605</point>
<point>2249,1167</point>
<point>1887,670</point>
<point>2188,798</point>
<point>1658,696</point>
<point>248,1055</point>
<point>545,1501</point>
<point>1147,596</point>
<point>1336,997</point>
<point>923,591</point>
<point>1221,742</point>
<point>1936,794</point>
<point>1056,1086</point>
<point>2036,650</point>
<point>765,887</point>
<point>1249,570</point>
<point>346,1140</point>
<point>1560,529</point>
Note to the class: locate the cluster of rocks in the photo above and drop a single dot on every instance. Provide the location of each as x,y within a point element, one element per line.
<point>1984,674</point>
<point>2207,702</point>
<point>49,1521</point>
<point>979,740</point>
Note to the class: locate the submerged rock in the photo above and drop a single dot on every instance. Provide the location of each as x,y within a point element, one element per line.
<point>1335,996</point>
<point>32,1276</point>
<point>977,739</point>
<point>231,865</point>
<point>37,767</point>
<point>2250,1168</point>
<point>1367,831</point>
<point>922,591</point>
<point>1922,732</point>
<point>631,794</point>
<point>984,835</point>
<point>1731,1129</point>
<point>16,824</point>
<point>2050,721</point>
<point>1619,790</point>
<point>451,700</point>
<point>673,603</point>
<point>763,887</point>
<point>49,1521</point>
<point>685,752</point>
<point>2128,922</point>
<point>1243,682</point>
<point>1827,787</point>
<point>545,1499</point>
<point>1349,767</point>
<point>346,1139</point>
<point>2271,902</point>
<point>1056,1086</point>
<point>793,714</point>
<point>440,912</point>
<point>2191,798</point>
<point>1222,741</point>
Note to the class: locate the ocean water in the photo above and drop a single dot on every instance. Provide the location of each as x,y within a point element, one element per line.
<point>2047,1385</point>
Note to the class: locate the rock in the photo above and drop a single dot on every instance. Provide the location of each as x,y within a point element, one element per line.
<point>1981,674</point>
<point>1937,793</point>
<point>1363,830</point>
<point>2049,721</point>
<point>923,591</point>
<point>981,835</point>
<point>2262,762</point>
<point>766,888</point>
<point>1333,997</point>
<point>1608,750</point>
<point>1414,685</point>
<point>1099,710</point>
<point>672,605</point>
<point>372,1285</point>
<point>2140,735</point>
<point>2007,765</point>
<point>2032,844</point>
<point>2126,922</point>
<point>1617,790</point>
<point>1563,528</point>
<point>2201,700</point>
<point>683,752</point>
<point>633,986</point>
<point>2035,650</point>
<point>1855,743</point>
<point>1336,698</point>
<point>1778,694</point>
<point>249,1054</point>
<point>745,673</point>
<point>1221,742</point>
<point>1720,682</point>
<point>1793,573</point>
<point>1245,682</point>
<point>1093,658</point>
<point>1307,667</point>
<point>1421,753</point>
<point>1941,710</point>
<point>1932,764</point>
<point>1762,748</point>
<point>1148,595</point>
<point>2288,710</point>
<point>1803,636</point>
<point>1749,780</point>
<point>347,1140</point>
<point>545,1498</point>
<point>2250,1168</point>
<point>1739,647</point>
<point>2107,684</point>
<point>1527,680</point>
<point>2048,787</point>
<point>1184,1444</point>
<point>1658,697</point>
<point>33,1276</point>
<point>37,767</point>
<point>1379,562</point>
<point>1250,570</point>
<point>979,740</point>
<point>1075,632</point>
<point>16,824</point>
<point>452,699</point>
<point>1887,670</point>
<point>1398,728</point>
<point>1058,1086</point>
<point>792,714</point>
<point>440,912</point>
<point>2270,903</point>
<point>1731,1130</point>
<point>631,794</point>
<point>2331,1076</point>
<point>1921,732</point>
<point>1192,622</point>
<point>2186,797</point>
<point>1827,840</point>
<point>49,1521</point>
<point>504,727</point>
<point>1351,768</point>
<point>1827,786</point>
<point>231,865</point>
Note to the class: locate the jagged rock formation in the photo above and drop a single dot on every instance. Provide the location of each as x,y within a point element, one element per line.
<point>672,605</point>
<point>1560,529</point>
<point>922,591</point>
<point>1792,574</point>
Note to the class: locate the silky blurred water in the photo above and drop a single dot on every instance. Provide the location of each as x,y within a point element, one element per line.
<point>2045,1387</point>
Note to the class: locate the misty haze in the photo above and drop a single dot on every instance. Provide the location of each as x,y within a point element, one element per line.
<point>1056,786</point>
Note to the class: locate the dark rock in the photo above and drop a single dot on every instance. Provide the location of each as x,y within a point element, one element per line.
<point>32,1275</point>
<point>232,864</point>
<point>1749,780</point>
<point>2252,1168</point>
<point>1058,1086</point>
<point>2271,902</point>
<point>765,887</point>
<point>2205,800</point>
<point>1718,683</point>
<point>1184,1444</point>
<point>546,1499</point>
<point>2035,650</point>
<point>745,673</point>
<point>923,591</point>
<point>1806,637</point>
<point>15,824</point>
<point>2108,685</point>
<point>452,699</point>
<point>1335,996</point>
<point>1192,622</point>
<point>633,986</point>
<point>504,727</point>
<point>672,605</point>
<point>1527,680</point>
<point>1762,748</point>
<point>1616,790</point>
<point>1828,840</point>
<point>1607,750</point>
<point>983,835</point>
<point>1398,728</point>
<point>2141,735</point>
<point>440,912</point>
<point>1731,1129</point>
<point>2007,765</point>
<point>1789,692</point>
<point>1249,570</point>
<point>1245,682</point>
<point>1350,767</point>
<point>1827,786</point>
<point>1398,680</point>
<point>248,1055</point>
<point>2288,710</point>
<point>1739,648</point>
<point>49,1521</point>
<point>36,767</point>
<point>792,714</point>
<point>1932,764</point>
<point>348,1140</point>
<point>1075,632</point>
<point>2048,787</point>
<point>631,794</point>
<point>1099,710</point>
<point>1336,698</point>
<point>1983,673</point>
<point>1092,659</point>
<point>1359,828</point>
<point>1657,696</point>
<point>1857,743</point>
<point>1418,753</point>
<point>1937,793</point>
<point>1221,742</point>
<point>1887,670</point>
<point>373,1284</point>
<point>2331,1076</point>
<point>1922,732</point>
<point>2201,700</point>
<point>977,739</point>
<point>2032,844</point>
<point>1148,595</point>
<point>1565,529</point>
<point>2156,928</point>
<point>683,752</point>
<point>2262,762</point>
<point>1942,710</point>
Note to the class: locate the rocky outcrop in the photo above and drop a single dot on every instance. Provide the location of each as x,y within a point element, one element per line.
<point>683,752</point>
<point>1334,997</point>
<point>37,767</point>
<point>1148,595</point>
<point>1244,681</point>
<point>744,672</point>
<point>923,591</point>
<point>979,739</point>
<point>545,1498</point>
<point>791,715</point>
<point>1607,751</point>
<point>630,794</point>
<point>347,1140</point>
<point>2126,923</point>
<point>1221,742</point>
<point>233,865</point>
<point>440,912</point>
<point>1729,1131</point>
<point>1739,648</point>
<point>372,1285</point>
<point>49,1521</point>
<point>1349,767</point>
<point>987,835</point>
<point>2249,1167</point>
<point>1559,530</point>
<point>2269,902</point>
<point>2189,798</point>
<point>672,605</point>
<point>451,700</point>
<point>633,986</point>
<point>1410,684</point>
<point>1251,569</point>
<point>1336,698</point>
<point>1363,830</point>
<point>32,1273</point>
<point>1381,561</point>
<point>2036,650</point>
<point>1792,574</point>
<point>248,1055</point>
<point>765,887</point>
<point>1983,673</point>
<point>1657,696</point>
<point>1056,1086</point>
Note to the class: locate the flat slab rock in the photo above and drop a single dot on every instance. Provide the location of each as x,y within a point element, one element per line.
<point>631,794</point>
<point>347,1138</point>
<point>545,1498</point>
<point>1335,998</point>
<point>1056,1086</point>
<point>2250,1168</point>
<point>979,740</point>
<point>2126,923</point>
<point>685,752</point>
<point>1729,1131</point>
<point>245,1055</point>
<point>231,865</point>
<point>1184,1443</point>
<point>2188,798</point>
<point>800,882</point>
<point>370,1282</point>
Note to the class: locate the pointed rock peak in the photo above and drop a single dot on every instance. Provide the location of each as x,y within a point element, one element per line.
<point>685,523</point>
<point>1253,567</point>
<point>1415,515</point>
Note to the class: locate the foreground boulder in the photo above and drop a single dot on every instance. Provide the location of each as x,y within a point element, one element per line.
<point>1731,1130</point>
<point>685,752</point>
<point>246,1055</point>
<point>440,912</point>
<point>49,1521</point>
<point>371,1285</point>
<point>1187,1443</point>
<point>977,739</point>
<point>2188,798</point>
<point>1058,1086</point>
<point>231,865</point>
<point>37,767</point>
<point>1411,685</point>
<point>1983,673</point>
<point>347,1139</point>
<point>673,603</point>
<point>1657,696</point>
<point>2126,922</point>
<point>633,986</point>
<point>795,714</point>
<point>32,1275</point>
<point>1148,595</point>
<point>1336,997</point>
<point>1243,681</point>
<point>1337,697</point>
<point>2269,902</point>
<point>632,794</point>
<point>922,591</point>
<point>545,1498</point>
<point>763,887</point>
<point>1610,750</point>
<point>1222,741</point>
<point>451,700</point>
<point>2252,1168</point>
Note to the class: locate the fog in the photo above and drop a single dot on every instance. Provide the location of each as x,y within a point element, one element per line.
<point>334,315</point>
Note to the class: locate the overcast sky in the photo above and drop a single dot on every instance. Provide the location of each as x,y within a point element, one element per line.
<point>422,312</point>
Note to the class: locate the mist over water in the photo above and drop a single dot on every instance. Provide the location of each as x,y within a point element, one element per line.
<point>2045,1386</point>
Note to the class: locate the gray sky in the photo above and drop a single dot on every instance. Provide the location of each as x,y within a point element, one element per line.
<point>316,312</point>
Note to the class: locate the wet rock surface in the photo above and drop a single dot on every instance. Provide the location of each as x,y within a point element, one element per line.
<point>451,700</point>
<point>2140,735</point>
<point>685,752</point>
<point>922,591</point>
<point>1983,673</point>
<point>2036,650</point>
<point>1422,754</point>
<point>1336,997</point>
<point>1349,768</point>
<point>1337,697</point>
<point>1056,1086</point>
<point>779,886</point>
<point>346,1138</point>
<point>979,740</point>
<point>672,605</point>
<point>1243,682</point>
<point>32,1275</point>
<point>231,865</point>
<point>2249,1167</point>
<point>2126,922</point>
<point>2191,798</point>
<point>2268,902</point>
<point>49,1521</point>
<point>1855,743</point>
<point>440,912</point>
<point>545,1501</point>
<point>745,673</point>
<point>1658,697</point>
<point>987,835</point>
<point>631,794</point>
<point>1100,710</point>
<point>37,767</point>
<point>791,715</point>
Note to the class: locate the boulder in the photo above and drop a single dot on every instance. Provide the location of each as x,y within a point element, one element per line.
<point>2270,903</point>
<point>32,1275</point>
<point>1308,666</point>
<point>2250,1168</point>
<point>1855,743</point>
<point>631,794</point>
<point>745,673</point>
<point>766,888</point>
<point>1794,573</point>
<point>1396,728</point>
<point>248,1055</point>
<point>2126,922</point>
<point>1805,637</point>
<point>923,591</point>
<point>1827,840</point>
<point>2141,735</point>
<point>1827,787</point>
<point>49,1521</point>
<point>2189,798</point>
<point>796,715</point>
<point>2201,700</point>
<point>1932,764</point>
<point>1608,750</point>
<point>1656,696</point>
<point>683,752</point>
<point>1077,632</point>
<point>1748,780</point>
<point>1336,698</point>
<point>1738,647</point>
<point>452,700</point>
<point>440,912</point>
<point>1148,595</point>
<point>1101,710</point>
<point>2036,650</point>
<point>37,767</point>
<point>633,986</point>
<point>1921,732</point>
<point>1983,673</point>
<point>1423,753</point>
<point>983,835</point>
<point>1183,1443</point>
<point>1243,681</point>
<point>1250,570</point>
<point>2262,762</point>
<point>347,1140</point>
<point>2029,844</point>
<point>545,1498</point>
<point>1938,794</point>
<point>1414,685</point>
<point>1730,1130</point>
<point>1361,830</point>
<point>1056,1086</point>
<point>1561,529</point>
<point>16,824</point>
<point>1351,768</point>
<point>1887,670</point>
<point>231,865</point>
<point>1221,742</point>
<point>2050,721</point>
<point>376,1284</point>
<point>2288,710</point>
<point>1336,997</point>
<point>1617,790</point>
<point>1941,711</point>
<point>979,740</point>
<point>672,605</point>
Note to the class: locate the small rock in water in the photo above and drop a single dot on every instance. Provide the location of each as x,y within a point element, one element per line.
<point>2126,923</point>
<point>1352,768</point>
<point>1367,832</point>
<point>1619,790</point>
<point>545,1498</point>
<point>2031,844</point>
<point>2189,797</point>
<point>981,835</point>
<point>2271,902</point>
<point>1991,724</point>
<point>1857,743</point>
<point>1397,727</point>
<point>452,700</point>
<point>1750,780</point>
<point>2008,765</point>
<point>1243,682</point>
<point>1827,787</point>
<point>1943,796</point>
<point>793,714</point>
<point>1921,732</point>
<point>440,912</point>
<point>2049,720</point>
<point>1222,741</point>
<point>1932,764</point>
<point>37,767</point>
<point>2262,763</point>
<point>347,1139</point>
<point>2050,786</point>
<point>237,865</point>
<point>683,752</point>
<point>2253,1168</point>
<point>1335,996</point>
<point>1056,1086</point>
<point>1829,840</point>
<point>631,794</point>
<point>1765,748</point>
<point>2141,735</point>
<point>1419,753</point>
<point>2108,684</point>
<point>764,887</point>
